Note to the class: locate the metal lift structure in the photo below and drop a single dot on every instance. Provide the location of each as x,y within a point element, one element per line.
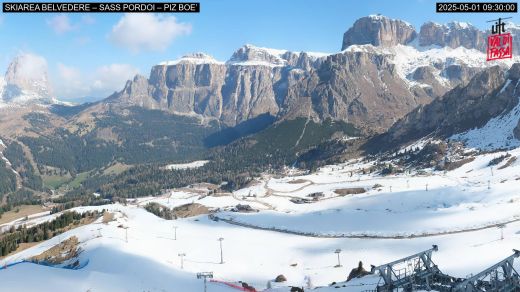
<point>501,277</point>
<point>419,272</point>
<point>411,273</point>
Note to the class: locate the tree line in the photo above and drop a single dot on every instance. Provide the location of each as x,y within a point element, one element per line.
<point>11,240</point>
<point>160,211</point>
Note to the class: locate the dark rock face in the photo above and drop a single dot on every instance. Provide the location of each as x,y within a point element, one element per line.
<point>460,75</point>
<point>486,96</point>
<point>189,87</point>
<point>359,87</point>
<point>426,75</point>
<point>514,71</point>
<point>453,35</point>
<point>516,131</point>
<point>358,272</point>
<point>378,31</point>
<point>137,92</point>
<point>280,278</point>
<point>514,74</point>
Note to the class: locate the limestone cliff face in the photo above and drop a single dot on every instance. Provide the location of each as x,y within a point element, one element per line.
<point>360,87</point>
<point>251,83</point>
<point>189,87</point>
<point>382,74</point>
<point>454,34</point>
<point>378,31</point>
<point>249,91</point>
<point>200,85</point>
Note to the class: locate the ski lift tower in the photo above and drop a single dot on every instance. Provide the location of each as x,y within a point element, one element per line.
<point>205,276</point>
<point>338,251</point>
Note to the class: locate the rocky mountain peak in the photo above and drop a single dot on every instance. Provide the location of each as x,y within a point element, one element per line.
<point>27,80</point>
<point>378,30</point>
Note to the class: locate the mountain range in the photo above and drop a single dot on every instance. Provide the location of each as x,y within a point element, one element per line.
<point>389,85</point>
<point>383,62</point>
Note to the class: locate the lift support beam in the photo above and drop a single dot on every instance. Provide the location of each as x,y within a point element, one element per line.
<point>419,270</point>
<point>500,277</point>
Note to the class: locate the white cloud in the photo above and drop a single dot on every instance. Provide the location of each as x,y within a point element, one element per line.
<point>69,82</point>
<point>83,40</point>
<point>28,66</point>
<point>87,19</point>
<point>60,24</point>
<point>147,32</point>
<point>113,77</point>
<point>72,83</point>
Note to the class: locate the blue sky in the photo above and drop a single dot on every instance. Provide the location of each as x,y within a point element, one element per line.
<point>83,49</point>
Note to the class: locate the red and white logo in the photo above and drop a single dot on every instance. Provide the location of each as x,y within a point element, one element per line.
<point>500,43</point>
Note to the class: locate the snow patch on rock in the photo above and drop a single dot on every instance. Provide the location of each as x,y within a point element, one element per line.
<point>195,58</point>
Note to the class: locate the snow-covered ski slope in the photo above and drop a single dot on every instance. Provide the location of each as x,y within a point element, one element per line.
<point>294,235</point>
<point>400,208</point>
<point>473,196</point>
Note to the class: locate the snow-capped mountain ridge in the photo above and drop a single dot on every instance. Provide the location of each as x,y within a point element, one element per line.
<point>194,58</point>
<point>417,67</point>
<point>252,55</point>
<point>247,55</point>
<point>459,25</point>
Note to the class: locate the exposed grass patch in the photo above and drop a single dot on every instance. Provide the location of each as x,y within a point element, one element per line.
<point>349,191</point>
<point>116,169</point>
<point>21,212</point>
<point>297,181</point>
<point>55,181</point>
<point>66,250</point>
<point>80,177</point>
<point>108,217</point>
<point>184,211</point>
<point>456,164</point>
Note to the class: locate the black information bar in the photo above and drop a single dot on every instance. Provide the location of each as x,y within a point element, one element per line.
<point>470,7</point>
<point>103,7</point>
